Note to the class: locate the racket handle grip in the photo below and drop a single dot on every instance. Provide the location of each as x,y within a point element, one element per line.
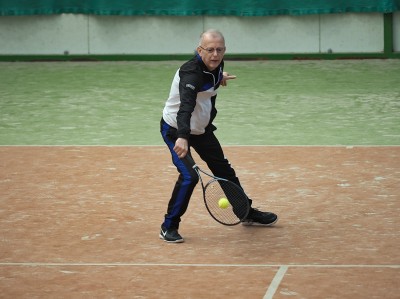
<point>190,160</point>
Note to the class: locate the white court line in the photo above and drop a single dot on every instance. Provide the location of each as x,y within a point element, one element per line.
<point>227,145</point>
<point>42,264</point>
<point>275,282</point>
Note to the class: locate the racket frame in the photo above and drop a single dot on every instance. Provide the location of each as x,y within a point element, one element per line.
<point>204,187</point>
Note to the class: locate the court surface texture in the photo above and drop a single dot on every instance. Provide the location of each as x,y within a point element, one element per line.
<point>85,180</point>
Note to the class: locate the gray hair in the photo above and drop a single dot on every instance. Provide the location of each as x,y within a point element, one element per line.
<point>213,33</point>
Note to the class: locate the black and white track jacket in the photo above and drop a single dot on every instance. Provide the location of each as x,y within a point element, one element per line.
<point>190,107</point>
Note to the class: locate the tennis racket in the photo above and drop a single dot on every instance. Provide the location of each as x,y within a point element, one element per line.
<point>225,201</point>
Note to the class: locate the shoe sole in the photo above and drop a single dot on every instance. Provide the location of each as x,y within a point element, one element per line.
<point>168,241</point>
<point>246,223</point>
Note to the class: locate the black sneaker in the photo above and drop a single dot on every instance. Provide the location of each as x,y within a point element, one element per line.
<point>259,218</point>
<point>170,235</point>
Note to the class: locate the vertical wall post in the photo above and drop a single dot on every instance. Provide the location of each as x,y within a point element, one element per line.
<point>388,34</point>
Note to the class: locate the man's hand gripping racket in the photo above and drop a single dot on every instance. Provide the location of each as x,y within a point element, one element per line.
<point>225,201</point>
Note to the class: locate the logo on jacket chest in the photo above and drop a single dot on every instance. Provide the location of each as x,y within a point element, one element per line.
<point>190,86</point>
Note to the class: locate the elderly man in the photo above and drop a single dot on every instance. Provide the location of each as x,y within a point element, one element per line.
<point>187,123</point>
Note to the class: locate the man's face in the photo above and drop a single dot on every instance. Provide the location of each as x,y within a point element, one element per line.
<point>211,51</point>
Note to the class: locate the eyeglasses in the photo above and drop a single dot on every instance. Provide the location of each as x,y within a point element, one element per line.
<point>212,50</point>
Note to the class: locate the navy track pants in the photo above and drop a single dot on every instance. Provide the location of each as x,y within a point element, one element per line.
<point>210,151</point>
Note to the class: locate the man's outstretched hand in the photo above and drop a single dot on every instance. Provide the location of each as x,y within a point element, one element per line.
<point>226,78</point>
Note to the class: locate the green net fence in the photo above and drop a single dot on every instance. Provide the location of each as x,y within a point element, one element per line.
<point>195,7</point>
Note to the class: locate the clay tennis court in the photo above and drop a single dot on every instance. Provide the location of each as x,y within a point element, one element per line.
<point>83,222</point>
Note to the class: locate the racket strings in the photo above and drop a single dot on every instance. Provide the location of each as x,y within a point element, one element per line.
<point>238,202</point>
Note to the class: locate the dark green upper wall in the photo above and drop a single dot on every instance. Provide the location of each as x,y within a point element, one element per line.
<point>195,7</point>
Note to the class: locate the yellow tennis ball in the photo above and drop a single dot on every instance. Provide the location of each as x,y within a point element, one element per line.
<point>223,203</point>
